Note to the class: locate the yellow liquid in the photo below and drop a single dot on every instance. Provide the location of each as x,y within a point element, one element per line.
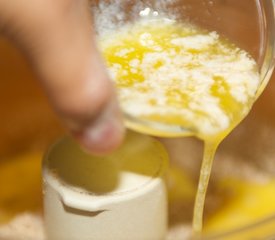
<point>177,74</point>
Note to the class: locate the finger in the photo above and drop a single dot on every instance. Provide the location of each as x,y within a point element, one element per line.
<point>58,39</point>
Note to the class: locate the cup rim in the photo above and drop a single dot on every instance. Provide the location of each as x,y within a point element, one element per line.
<point>80,199</point>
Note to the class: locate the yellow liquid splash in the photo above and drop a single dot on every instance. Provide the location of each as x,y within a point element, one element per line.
<point>177,74</point>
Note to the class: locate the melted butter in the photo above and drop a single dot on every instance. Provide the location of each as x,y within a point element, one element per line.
<point>178,74</point>
<point>246,203</point>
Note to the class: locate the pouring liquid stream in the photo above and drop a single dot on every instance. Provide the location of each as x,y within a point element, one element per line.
<point>177,74</point>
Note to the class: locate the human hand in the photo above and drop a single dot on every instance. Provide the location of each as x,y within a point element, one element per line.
<point>58,40</point>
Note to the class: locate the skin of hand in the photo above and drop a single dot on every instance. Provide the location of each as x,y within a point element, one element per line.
<point>57,38</point>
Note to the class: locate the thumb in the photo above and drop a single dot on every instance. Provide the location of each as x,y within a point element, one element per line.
<point>58,39</point>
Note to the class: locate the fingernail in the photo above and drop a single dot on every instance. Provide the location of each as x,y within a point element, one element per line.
<point>105,134</point>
